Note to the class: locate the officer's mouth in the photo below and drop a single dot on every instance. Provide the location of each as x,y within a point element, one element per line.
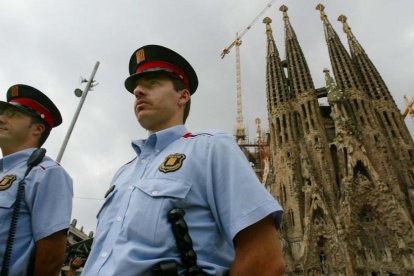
<point>140,105</point>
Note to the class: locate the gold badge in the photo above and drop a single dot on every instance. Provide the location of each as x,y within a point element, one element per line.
<point>172,163</point>
<point>14,91</point>
<point>6,182</point>
<point>140,55</point>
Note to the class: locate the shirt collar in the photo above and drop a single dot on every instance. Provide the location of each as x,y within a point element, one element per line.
<point>159,140</point>
<point>10,161</point>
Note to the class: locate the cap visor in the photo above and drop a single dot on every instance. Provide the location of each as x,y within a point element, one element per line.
<point>131,81</point>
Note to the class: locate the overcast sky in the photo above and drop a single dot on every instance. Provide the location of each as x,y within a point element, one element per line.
<point>49,44</point>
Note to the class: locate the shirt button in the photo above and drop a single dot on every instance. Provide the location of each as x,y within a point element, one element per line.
<point>143,161</point>
<point>118,218</point>
<point>154,193</point>
<point>130,187</point>
<point>104,254</point>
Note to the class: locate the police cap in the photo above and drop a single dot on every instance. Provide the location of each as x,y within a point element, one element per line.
<point>155,58</point>
<point>31,100</point>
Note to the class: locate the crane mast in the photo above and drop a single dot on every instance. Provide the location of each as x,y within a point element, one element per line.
<point>240,132</point>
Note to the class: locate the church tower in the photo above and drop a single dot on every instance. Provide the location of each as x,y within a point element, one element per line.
<point>400,144</point>
<point>284,150</point>
<point>348,205</point>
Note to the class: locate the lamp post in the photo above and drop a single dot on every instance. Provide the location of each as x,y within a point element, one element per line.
<point>83,95</point>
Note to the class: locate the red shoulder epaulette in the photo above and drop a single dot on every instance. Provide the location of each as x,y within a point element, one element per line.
<point>190,135</point>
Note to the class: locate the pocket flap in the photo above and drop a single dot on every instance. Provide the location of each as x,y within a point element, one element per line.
<point>7,201</point>
<point>164,187</point>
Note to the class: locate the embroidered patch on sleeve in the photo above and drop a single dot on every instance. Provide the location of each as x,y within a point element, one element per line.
<point>172,163</point>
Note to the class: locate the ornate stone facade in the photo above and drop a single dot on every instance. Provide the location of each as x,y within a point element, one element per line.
<point>344,173</point>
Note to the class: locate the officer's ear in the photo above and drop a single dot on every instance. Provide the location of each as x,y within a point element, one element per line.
<point>38,129</point>
<point>184,97</point>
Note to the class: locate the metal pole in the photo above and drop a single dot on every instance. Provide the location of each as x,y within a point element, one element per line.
<point>75,117</point>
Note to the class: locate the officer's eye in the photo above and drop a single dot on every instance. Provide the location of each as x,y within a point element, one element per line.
<point>153,82</point>
<point>10,112</point>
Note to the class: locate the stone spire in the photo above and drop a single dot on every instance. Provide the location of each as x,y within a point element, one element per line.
<point>389,114</point>
<point>372,80</point>
<point>277,86</point>
<point>345,73</point>
<point>298,71</point>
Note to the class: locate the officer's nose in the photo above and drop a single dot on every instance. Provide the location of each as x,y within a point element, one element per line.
<point>139,91</point>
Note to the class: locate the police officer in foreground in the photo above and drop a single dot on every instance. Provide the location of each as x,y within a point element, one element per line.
<point>188,204</point>
<point>35,191</point>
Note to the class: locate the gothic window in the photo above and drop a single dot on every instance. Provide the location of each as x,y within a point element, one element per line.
<point>297,123</point>
<point>356,104</point>
<point>323,262</point>
<point>411,153</point>
<point>386,118</point>
<point>303,110</point>
<point>291,217</point>
<point>318,219</point>
<point>278,124</point>
<point>346,161</point>
<point>310,109</point>
<point>367,215</point>
<point>395,121</point>
<point>360,172</point>
<point>284,193</point>
<point>363,107</point>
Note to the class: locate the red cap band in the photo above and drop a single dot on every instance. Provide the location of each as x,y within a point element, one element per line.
<point>43,112</point>
<point>147,66</point>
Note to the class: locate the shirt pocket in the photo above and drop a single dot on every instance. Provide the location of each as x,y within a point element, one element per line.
<point>6,205</point>
<point>149,208</point>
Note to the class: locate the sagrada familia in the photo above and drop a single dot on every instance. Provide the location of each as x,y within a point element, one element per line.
<point>343,172</point>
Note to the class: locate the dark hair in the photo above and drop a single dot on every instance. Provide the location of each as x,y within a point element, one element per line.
<point>178,86</point>
<point>46,132</point>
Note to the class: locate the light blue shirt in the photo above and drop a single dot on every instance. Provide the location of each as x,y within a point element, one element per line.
<point>206,175</point>
<point>45,209</point>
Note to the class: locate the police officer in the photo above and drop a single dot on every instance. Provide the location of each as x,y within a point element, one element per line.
<point>37,246</point>
<point>231,219</point>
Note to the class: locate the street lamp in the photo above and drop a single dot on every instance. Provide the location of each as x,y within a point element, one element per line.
<point>82,94</point>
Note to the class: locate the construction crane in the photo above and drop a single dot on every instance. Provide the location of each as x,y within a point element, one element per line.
<point>409,110</point>
<point>240,132</point>
<point>237,41</point>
